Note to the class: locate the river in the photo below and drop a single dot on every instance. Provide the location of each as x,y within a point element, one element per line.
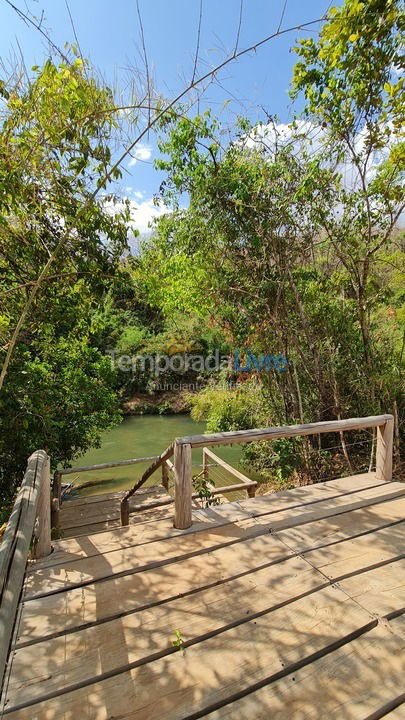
<point>141,436</point>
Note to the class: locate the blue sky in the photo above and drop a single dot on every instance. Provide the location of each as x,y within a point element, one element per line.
<point>109,36</point>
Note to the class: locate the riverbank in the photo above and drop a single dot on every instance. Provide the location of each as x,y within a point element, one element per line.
<point>165,403</point>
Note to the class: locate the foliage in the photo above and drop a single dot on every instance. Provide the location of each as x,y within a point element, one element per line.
<point>59,389</point>
<point>351,74</point>
<point>223,409</point>
<point>289,243</point>
<point>279,459</point>
<point>200,485</point>
<point>178,641</point>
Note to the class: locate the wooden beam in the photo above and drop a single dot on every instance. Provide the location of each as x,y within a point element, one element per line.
<point>183,486</point>
<point>385,436</point>
<point>205,464</point>
<point>165,476</point>
<point>14,550</point>
<point>229,468</point>
<point>43,521</point>
<point>124,510</point>
<point>240,436</point>
<point>229,488</point>
<point>160,459</point>
<point>104,466</point>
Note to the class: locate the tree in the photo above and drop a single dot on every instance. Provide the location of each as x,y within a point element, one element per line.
<point>53,151</point>
<point>352,85</point>
<point>287,245</point>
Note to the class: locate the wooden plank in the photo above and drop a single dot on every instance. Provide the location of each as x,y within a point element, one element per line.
<point>353,482</point>
<point>380,591</point>
<point>340,527</point>
<point>81,514</point>
<point>93,603</point>
<point>202,613</point>
<point>211,670</point>
<point>14,550</point>
<point>238,436</point>
<point>85,570</point>
<point>154,514</point>
<point>72,573</point>
<point>259,510</point>
<point>79,606</point>
<point>134,536</point>
<point>64,661</point>
<point>84,514</point>
<point>182,486</point>
<point>352,682</point>
<point>90,499</point>
<point>126,537</point>
<point>103,466</point>
<point>326,509</point>
<point>351,555</point>
<point>305,495</point>
<point>229,468</point>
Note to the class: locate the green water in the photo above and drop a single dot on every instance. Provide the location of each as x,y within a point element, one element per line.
<point>142,436</point>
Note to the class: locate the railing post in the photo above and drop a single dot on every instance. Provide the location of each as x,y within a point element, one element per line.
<point>205,465</point>
<point>55,505</point>
<point>165,476</point>
<point>125,511</point>
<point>57,486</point>
<point>385,435</point>
<point>183,486</point>
<point>43,529</point>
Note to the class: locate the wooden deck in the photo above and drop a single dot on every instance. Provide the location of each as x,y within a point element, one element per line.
<point>95,513</point>
<point>289,606</point>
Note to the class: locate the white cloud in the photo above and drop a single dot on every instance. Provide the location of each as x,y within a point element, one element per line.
<point>310,138</point>
<point>142,214</point>
<point>137,194</point>
<point>140,152</point>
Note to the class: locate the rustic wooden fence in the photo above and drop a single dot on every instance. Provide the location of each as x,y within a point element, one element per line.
<point>182,447</point>
<point>57,479</point>
<point>28,529</point>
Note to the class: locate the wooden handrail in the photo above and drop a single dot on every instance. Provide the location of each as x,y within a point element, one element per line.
<point>183,447</point>
<point>224,489</point>
<point>160,459</point>
<point>32,507</point>
<point>272,433</point>
<point>233,471</point>
<point>246,483</point>
<point>57,479</point>
<point>103,466</point>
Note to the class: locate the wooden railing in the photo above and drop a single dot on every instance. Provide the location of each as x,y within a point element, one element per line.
<point>244,484</point>
<point>182,448</point>
<point>29,527</point>
<point>57,479</point>
<point>159,461</point>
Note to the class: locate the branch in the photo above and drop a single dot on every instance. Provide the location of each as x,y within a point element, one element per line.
<point>210,74</point>
<point>107,177</point>
<point>145,56</point>
<point>198,42</point>
<point>38,27</point>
